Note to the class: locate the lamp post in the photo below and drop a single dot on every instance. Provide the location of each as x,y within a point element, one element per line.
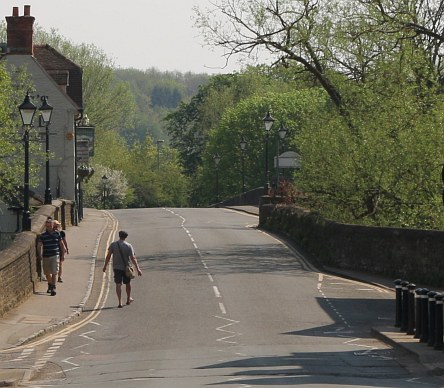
<point>268,122</point>
<point>243,145</point>
<point>104,191</point>
<point>45,115</point>
<point>27,111</point>
<point>282,133</point>
<point>159,142</point>
<point>216,159</point>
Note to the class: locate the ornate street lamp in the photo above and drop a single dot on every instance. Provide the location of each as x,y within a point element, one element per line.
<point>159,142</point>
<point>104,189</point>
<point>243,145</point>
<point>27,111</point>
<point>216,159</point>
<point>45,114</point>
<point>282,131</point>
<point>268,122</point>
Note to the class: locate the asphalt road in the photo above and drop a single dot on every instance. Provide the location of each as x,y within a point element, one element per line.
<point>221,303</point>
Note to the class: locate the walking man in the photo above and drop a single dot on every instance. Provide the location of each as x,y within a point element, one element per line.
<point>51,250</point>
<point>57,225</point>
<point>122,252</point>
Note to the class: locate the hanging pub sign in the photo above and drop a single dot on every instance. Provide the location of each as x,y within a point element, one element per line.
<point>84,143</point>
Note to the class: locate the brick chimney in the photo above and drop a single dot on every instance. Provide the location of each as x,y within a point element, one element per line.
<point>20,31</point>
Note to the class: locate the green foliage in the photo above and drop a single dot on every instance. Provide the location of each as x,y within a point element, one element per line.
<point>385,171</point>
<point>121,109</point>
<point>189,126</point>
<point>12,92</point>
<point>156,94</point>
<point>166,95</point>
<point>373,154</point>
<point>295,110</point>
<point>156,177</point>
<point>107,101</point>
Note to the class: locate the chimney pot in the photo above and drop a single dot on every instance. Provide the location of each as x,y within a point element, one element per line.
<point>19,32</point>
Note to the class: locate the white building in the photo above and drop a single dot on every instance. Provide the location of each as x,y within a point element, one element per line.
<point>60,80</point>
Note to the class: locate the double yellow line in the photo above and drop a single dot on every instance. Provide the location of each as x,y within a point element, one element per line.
<point>101,300</point>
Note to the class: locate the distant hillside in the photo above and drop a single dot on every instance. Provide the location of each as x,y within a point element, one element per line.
<point>156,94</point>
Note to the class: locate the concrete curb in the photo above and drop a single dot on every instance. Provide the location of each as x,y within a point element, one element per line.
<point>423,354</point>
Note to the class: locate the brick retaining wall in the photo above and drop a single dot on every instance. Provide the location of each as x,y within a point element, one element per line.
<point>19,268</point>
<point>412,254</point>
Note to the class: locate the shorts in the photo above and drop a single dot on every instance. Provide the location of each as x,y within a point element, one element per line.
<point>120,277</point>
<point>50,264</point>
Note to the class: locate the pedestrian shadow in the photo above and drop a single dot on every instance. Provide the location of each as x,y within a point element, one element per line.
<point>90,310</point>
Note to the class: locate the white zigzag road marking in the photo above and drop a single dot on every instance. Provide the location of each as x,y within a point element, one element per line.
<point>222,329</point>
<point>67,361</point>
<point>84,335</point>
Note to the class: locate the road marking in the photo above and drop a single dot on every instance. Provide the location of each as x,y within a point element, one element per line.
<point>66,360</point>
<point>233,334</point>
<point>216,292</point>
<point>80,346</point>
<point>100,304</point>
<point>84,335</point>
<point>24,354</point>
<point>222,308</point>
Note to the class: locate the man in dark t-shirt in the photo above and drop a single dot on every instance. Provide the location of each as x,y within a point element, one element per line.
<point>50,249</point>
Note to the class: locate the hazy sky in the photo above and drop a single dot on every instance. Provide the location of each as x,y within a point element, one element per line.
<point>134,33</point>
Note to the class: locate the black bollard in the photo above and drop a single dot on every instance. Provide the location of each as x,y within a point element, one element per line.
<point>424,316</point>
<point>438,345</point>
<point>418,317</point>
<point>411,309</point>
<point>405,306</point>
<point>398,289</point>
<point>432,305</point>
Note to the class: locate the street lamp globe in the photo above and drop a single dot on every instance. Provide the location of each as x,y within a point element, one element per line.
<point>268,121</point>
<point>46,110</point>
<point>27,110</point>
<point>243,144</point>
<point>282,131</point>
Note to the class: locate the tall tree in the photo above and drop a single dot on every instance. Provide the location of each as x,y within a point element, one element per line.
<point>190,124</point>
<point>295,110</point>
<point>288,31</point>
<point>108,102</point>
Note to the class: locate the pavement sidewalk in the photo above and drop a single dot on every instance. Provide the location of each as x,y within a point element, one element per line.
<point>42,313</point>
